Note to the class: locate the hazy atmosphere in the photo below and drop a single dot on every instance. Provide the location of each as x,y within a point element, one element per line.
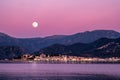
<point>57,16</point>
<point>59,39</point>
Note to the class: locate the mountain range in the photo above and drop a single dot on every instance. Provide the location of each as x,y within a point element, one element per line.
<point>98,43</point>
<point>31,45</point>
<point>103,47</point>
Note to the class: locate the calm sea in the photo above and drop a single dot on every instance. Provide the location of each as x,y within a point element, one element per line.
<point>34,71</point>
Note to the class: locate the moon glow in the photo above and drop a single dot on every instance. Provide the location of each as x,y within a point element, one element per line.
<point>35,24</point>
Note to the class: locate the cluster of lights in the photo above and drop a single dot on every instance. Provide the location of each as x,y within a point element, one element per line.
<point>65,58</point>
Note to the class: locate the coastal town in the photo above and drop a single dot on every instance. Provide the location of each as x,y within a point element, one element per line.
<point>42,58</point>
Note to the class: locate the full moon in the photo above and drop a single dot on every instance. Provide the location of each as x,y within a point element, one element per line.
<point>35,24</point>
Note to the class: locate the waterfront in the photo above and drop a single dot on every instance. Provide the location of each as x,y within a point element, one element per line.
<point>42,58</point>
<point>34,71</point>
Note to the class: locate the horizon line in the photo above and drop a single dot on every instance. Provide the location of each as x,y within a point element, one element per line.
<point>59,34</point>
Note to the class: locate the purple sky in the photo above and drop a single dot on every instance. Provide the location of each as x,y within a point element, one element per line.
<point>57,16</point>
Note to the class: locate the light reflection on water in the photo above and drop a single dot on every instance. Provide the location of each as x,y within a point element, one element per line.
<point>36,71</point>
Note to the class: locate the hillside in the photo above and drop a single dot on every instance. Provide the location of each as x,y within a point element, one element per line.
<point>9,52</point>
<point>34,44</point>
<point>103,47</point>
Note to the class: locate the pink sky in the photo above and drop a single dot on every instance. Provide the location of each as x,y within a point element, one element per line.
<point>57,16</point>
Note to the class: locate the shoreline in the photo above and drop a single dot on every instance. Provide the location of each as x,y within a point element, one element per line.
<point>56,62</point>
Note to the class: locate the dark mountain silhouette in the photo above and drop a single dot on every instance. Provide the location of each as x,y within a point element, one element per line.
<point>55,49</point>
<point>6,40</point>
<point>9,52</point>
<point>103,47</point>
<point>34,44</point>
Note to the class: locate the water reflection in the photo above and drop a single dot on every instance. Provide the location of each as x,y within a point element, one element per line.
<point>36,71</point>
<point>80,77</point>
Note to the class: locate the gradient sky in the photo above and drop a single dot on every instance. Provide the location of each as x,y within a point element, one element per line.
<point>57,16</point>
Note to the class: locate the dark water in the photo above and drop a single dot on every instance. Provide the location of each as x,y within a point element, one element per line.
<point>35,71</point>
